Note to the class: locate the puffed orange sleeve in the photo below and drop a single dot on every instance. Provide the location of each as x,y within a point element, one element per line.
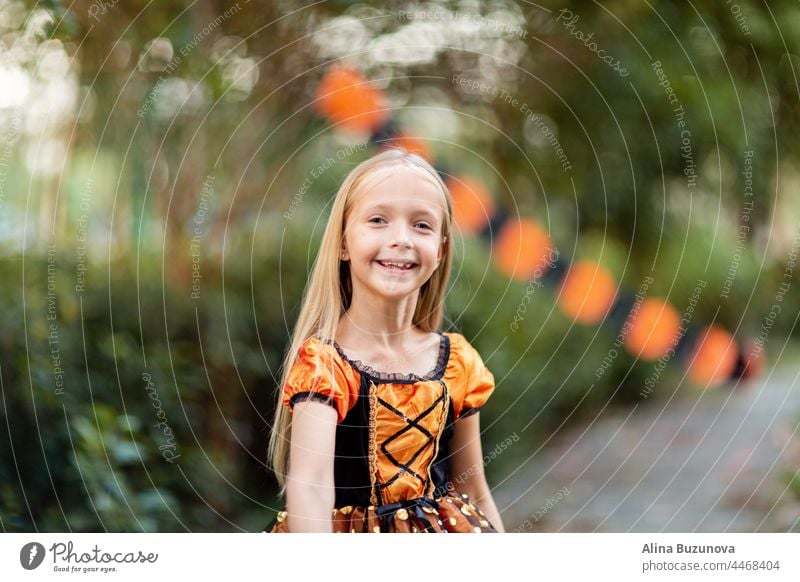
<point>320,374</point>
<point>471,381</point>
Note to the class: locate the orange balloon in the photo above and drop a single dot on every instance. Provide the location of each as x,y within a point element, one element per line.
<point>714,357</point>
<point>587,292</point>
<point>473,206</point>
<point>652,329</point>
<point>346,98</point>
<point>523,249</point>
<point>412,145</point>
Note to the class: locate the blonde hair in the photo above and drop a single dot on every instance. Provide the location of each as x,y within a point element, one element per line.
<point>329,290</point>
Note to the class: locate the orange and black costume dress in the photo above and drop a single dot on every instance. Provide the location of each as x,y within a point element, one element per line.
<point>393,431</point>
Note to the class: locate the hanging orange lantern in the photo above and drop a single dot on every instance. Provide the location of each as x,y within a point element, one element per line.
<point>350,102</point>
<point>522,249</point>
<point>713,358</point>
<point>473,206</point>
<point>652,329</point>
<point>587,292</point>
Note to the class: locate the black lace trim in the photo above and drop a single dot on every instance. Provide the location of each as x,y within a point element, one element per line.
<point>396,377</point>
<point>467,411</point>
<point>315,396</point>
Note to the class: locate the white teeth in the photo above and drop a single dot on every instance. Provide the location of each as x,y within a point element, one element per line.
<point>395,264</point>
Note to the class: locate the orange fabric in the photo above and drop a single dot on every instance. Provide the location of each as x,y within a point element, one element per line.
<point>469,381</point>
<point>456,514</point>
<point>412,446</point>
<point>407,422</point>
<point>320,369</point>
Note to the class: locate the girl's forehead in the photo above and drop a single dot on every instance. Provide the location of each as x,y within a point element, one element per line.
<point>400,187</point>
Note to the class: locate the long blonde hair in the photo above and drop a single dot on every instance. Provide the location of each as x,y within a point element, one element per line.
<point>329,290</point>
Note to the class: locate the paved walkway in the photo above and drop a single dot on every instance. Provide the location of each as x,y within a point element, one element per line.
<point>711,461</point>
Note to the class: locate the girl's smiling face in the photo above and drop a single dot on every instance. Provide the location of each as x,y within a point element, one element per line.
<point>394,234</point>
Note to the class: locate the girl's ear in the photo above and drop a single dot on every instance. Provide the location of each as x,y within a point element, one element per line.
<point>343,254</point>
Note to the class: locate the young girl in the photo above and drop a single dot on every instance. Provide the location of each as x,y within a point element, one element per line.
<point>377,426</point>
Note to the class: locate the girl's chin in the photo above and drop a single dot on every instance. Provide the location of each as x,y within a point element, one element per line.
<point>394,289</point>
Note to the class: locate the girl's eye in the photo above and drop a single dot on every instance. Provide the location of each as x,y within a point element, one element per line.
<point>425,225</point>
<point>376,220</point>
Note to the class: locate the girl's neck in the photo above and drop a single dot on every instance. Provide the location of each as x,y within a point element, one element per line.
<point>380,324</point>
<point>388,345</point>
<point>377,333</point>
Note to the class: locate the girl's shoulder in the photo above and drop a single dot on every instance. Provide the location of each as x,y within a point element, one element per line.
<point>315,348</point>
<point>470,381</point>
<point>456,338</point>
<point>319,373</point>
<point>461,351</point>
<point>316,343</point>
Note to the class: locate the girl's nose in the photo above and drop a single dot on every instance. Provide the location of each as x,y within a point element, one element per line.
<point>401,237</point>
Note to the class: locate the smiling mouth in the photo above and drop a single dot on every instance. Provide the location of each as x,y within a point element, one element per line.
<point>398,266</point>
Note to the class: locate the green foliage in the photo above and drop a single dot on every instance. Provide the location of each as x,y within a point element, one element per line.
<point>148,432</point>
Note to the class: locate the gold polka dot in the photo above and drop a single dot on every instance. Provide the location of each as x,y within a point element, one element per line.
<point>465,496</point>
<point>370,508</point>
<point>281,516</point>
<point>477,530</point>
<point>484,523</point>
<point>402,514</point>
<point>376,529</point>
<point>428,510</point>
<point>453,521</point>
<point>347,509</point>
<point>465,510</point>
<point>414,529</point>
<point>353,530</point>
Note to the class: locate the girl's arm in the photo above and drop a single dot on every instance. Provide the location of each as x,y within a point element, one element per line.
<point>466,468</point>
<point>310,491</point>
